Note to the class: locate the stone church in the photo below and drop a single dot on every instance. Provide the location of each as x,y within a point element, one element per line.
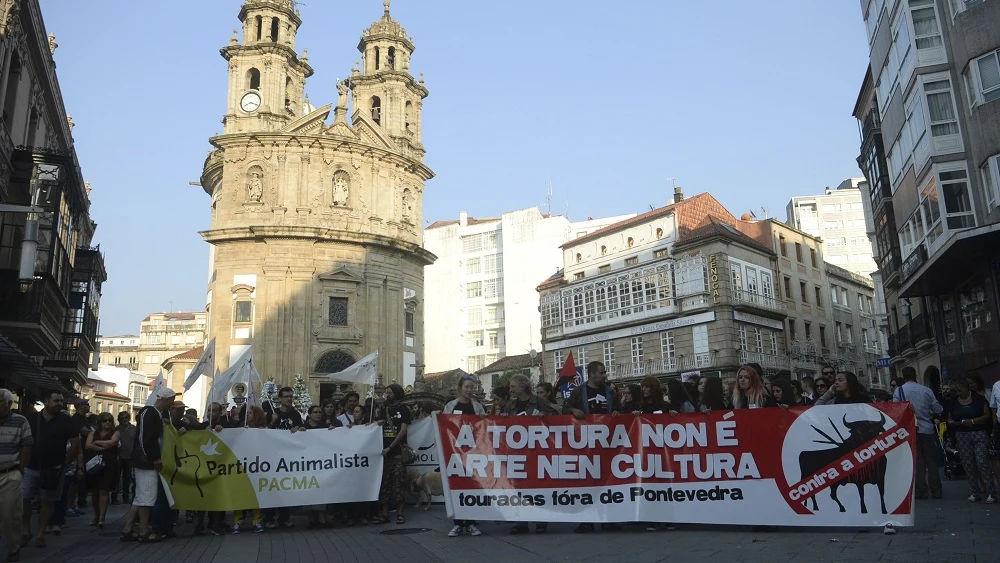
<point>316,257</point>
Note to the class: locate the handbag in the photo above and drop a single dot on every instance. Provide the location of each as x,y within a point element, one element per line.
<point>95,465</point>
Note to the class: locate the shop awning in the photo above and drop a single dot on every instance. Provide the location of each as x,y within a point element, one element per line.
<point>963,255</point>
<point>19,369</point>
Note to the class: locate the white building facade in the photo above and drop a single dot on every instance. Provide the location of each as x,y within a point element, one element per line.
<point>837,217</point>
<point>481,298</point>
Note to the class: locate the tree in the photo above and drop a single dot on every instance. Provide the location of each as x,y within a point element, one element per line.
<point>502,381</point>
<point>301,399</point>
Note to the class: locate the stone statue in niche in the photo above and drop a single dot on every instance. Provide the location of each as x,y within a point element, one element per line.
<point>341,188</point>
<point>255,184</point>
<point>407,204</point>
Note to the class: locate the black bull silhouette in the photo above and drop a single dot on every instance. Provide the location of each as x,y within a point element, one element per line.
<point>860,432</point>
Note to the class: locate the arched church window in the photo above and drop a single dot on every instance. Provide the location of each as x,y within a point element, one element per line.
<point>409,115</point>
<point>274,29</point>
<point>334,361</point>
<point>391,60</point>
<point>260,27</point>
<point>253,79</point>
<point>377,58</point>
<point>289,92</point>
<point>377,110</point>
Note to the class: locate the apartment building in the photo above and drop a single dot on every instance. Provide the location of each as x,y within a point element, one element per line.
<point>163,335</point>
<point>481,300</point>
<point>930,148</point>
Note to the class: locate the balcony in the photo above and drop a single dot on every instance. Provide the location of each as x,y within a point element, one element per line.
<point>771,364</point>
<point>743,298</point>
<point>921,333</point>
<point>872,348</point>
<point>641,369</point>
<point>890,266</point>
<point>72,362</point>
<point>33,317</point>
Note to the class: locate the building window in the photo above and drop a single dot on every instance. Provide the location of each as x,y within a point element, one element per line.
<point>473,290</point>
<point>579,257</point>
<point>844,300</point>
<point>840,332</point>
<point>802,291</point>
<point>557,359</point>
<point>743,338</point>
<point>774,343</point>
<point>667,349</point>
<point>376,110</point>
<point>604,250</point>
<point>941,108</point>
<point>604,269</point>
<point>798,252</point>
<point>409,316</point>
<point>493,339</point>
<point>973,307</point>
<point>253,79</point>
<point>581,356</point>
<point>578,276</point>
<point>957,200</point>
<point>925,24</point>
<point>493,264</point>
<point>819,296</point>
<point>475,363</point>
<point>984,85</point>
<point>636,349</point>
<point>849,333</point>
<point>190,339</point>
<point>659,233</point>
<point>702,357</point>
<point>609,354</point>
<point>990,174</point>
<point>633,261</point>
<point>808,328</point>
<point>473,266</point>
<point>662,253</point>
<point>791,328</point>
<point>781,245</point>
<point>474,338</point>
<point>175,339</point>
<point>475,316</point>
<point>788,287</point>
<point>822,336</point>
<point>630,242</point>
<point>243,312</point>
<point>812,257</point>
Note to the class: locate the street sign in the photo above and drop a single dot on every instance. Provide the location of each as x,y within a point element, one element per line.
<point>882,362</point>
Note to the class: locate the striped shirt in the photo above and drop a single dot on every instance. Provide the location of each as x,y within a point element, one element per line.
<point>15,435</point>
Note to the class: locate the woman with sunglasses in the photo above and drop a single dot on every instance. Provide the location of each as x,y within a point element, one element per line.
<point>103,441</point>
<point>465,404</point>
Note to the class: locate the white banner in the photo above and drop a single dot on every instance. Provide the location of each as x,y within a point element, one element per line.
<point>420,437</point>
<point>244,468</point>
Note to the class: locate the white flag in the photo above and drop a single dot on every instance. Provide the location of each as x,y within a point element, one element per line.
<point>205,365</point>
<point>158,386</point>
<point>364,370</point>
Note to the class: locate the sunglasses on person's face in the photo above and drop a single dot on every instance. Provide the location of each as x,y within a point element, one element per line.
<point>821,386</point>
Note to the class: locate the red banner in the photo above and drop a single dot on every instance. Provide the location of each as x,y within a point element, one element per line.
<point>845,465</point>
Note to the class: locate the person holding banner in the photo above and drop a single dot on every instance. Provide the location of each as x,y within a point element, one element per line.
<point>520,402</point>
<point>713,396</point>
<point>395,419</point>
<point>651,397</point>
<point>465,405</point>
<point>846,390</point>
<point>749,391</point>
<point>255,419</point>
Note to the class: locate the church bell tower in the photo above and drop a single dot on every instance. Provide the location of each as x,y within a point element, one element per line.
<point>266,76</point>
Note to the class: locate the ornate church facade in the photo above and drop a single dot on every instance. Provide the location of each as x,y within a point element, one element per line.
<point>316,254</point>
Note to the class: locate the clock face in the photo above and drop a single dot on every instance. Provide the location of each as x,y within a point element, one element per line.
<point>250,102</point>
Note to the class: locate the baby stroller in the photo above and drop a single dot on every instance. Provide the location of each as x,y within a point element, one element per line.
<point>952,460</point>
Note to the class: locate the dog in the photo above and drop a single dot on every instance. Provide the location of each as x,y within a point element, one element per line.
<point>427,485</point>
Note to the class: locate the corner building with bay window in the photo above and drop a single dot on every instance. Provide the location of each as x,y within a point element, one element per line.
<point>678,289</point>
<point>929,110</point>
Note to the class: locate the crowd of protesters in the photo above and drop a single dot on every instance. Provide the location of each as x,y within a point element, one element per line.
<point>65,459</point>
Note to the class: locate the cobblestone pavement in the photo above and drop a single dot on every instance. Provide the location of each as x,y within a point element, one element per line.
<point>950,530</point>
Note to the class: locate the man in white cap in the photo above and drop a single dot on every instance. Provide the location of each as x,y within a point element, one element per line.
<point>146,462</point>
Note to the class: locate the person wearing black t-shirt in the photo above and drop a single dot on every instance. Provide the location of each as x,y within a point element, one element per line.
<point>52,430</point>
<point>596,397</point>
<point>285,417</point>
<point>464,404</point>
<point>968,417</point>
<point>395,421</point>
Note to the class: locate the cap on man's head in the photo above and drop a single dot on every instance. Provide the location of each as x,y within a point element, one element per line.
<point>167,393</point>
<point>80,402</point>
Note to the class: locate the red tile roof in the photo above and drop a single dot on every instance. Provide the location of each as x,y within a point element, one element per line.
<point>717,228</point>
<point>192,354</point>
<point>690,211</point>
<point>512,362</point>
<point>105,395</point>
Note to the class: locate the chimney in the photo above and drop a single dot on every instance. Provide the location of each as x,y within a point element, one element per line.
<point>463,218</point>
<point>828,192</point>
<point>678,194</point>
